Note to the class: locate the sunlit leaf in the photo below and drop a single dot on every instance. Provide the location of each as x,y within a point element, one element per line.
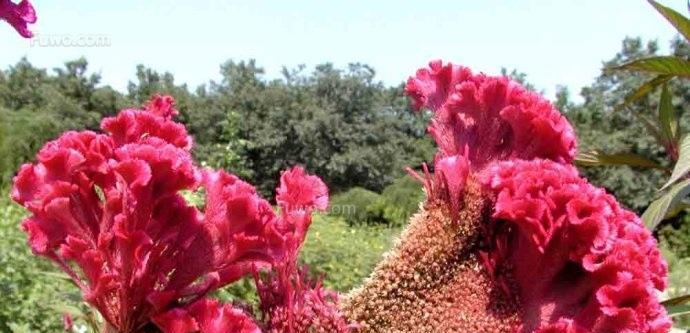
<point>658,209</point>
<point>682,166</point>
<point>595,158</point>
<point>643,90</point>
<point>667,118</point>
<point>674,211</point>
<point>662,65</point>
<point>678,310</point>
<point>680,22</point>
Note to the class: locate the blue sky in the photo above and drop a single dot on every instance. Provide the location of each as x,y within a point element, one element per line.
<point>554,42</point>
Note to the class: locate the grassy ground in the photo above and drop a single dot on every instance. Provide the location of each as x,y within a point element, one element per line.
<point>345,254</point>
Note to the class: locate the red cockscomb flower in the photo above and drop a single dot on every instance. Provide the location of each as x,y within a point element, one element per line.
<point>107,208</point>
<point>19,16</point>
<point>291,302</point>
<point>206,316</point>
<point>511,238</point>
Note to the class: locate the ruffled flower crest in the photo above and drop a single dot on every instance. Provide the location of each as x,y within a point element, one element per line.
<point>108,209</point>
<point>525,244</point>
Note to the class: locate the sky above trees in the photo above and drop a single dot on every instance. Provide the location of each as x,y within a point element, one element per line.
<point>553,42</point>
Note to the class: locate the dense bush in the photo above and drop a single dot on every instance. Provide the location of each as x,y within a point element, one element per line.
<point>392,207</point>
<point>399,201</point>
<point>355,206</point>
<point>677,236</point>
<point>342,124</point>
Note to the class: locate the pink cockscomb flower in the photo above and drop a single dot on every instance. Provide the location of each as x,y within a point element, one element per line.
<point>206,316</point>
<point>290,301</point>
<point>511,238</point>
<point>18,15</point>
<point>108,209</point>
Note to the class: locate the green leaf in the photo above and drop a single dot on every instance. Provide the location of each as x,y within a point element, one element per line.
<point>657,210</point>
<point>683,164</point>
<point>678,310</point>
<point>662,65</point>
<point>667,118</point>
<point>674,211</point>
<point>680,22</point>
<point>56,275</point>
<point>680,300</point>
<point>643,90</point>
<point>595,158</point>
<point>653,130</point>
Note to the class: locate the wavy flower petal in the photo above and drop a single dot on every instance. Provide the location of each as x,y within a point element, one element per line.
<point>511,238</point>
<point>495,117</point>
<point>206,316</point>
<point>19,16</point>
<point>107,209</point>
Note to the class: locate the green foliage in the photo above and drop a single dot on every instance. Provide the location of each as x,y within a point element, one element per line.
<point>229,154</point>
<point>340,124</point>
<point>356,206</point>
<point>24,132</point>
<point>682,167</point>
<point>345,254</point>
<point>679,280</point>
<point>613,138</point>
<point>594,158</point>
<point>34,293</point>
<point>399,201</point>
<point>681,23</point>
<point>676,237</point>
<point>661,65</point>
<point>659,208</point>
<point>392,207</point>
<point>666,130</point>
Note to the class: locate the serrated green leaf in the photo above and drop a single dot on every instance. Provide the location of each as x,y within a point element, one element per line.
<point>595,158</point>
<point>678,310</point>
<point>661,65</point>
<point>643,90</point>
<point>680,22</point>
<point>682,166</point>
<point>657,210</point>
<point>667,118</point>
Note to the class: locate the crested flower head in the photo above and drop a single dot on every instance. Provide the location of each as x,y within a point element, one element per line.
<point>18,15</point>
<point>108,209</point>
<point>511,238</point>
<point>494,117</point>
<point>206,316</point>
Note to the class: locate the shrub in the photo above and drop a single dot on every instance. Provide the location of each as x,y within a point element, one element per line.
<point>399,201</point>
<point>677,236</point>
<point>355,206</point>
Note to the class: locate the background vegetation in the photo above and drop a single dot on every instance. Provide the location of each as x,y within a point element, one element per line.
<point>341,124</point>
